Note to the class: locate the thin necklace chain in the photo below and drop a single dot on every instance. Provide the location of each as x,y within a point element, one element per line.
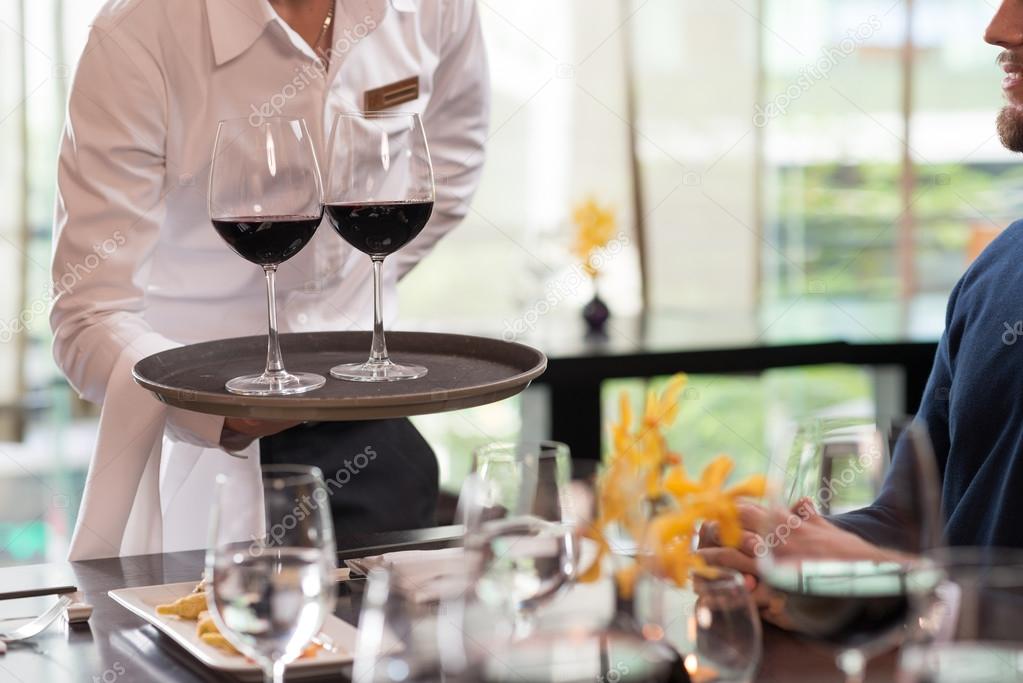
<point>327,21</point>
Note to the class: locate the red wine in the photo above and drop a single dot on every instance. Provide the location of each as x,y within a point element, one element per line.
<point>847,604</point>
<point>379,228</point>
<point>267,240</point>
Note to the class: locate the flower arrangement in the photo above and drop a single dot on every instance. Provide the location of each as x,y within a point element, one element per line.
<point>670,505</point>
<point>594,229</point>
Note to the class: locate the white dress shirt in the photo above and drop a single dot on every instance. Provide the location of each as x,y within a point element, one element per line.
<point>137,266</point>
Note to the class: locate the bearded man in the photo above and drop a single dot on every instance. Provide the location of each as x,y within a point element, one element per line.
<point>971,408</point>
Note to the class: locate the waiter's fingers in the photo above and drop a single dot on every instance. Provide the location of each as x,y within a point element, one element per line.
<point>258,428</point>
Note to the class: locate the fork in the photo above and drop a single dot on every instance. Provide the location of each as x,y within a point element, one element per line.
<point>40,623</point>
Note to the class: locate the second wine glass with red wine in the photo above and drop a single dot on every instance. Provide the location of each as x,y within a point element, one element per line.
<point>266,201</point>
<point>379,197</point>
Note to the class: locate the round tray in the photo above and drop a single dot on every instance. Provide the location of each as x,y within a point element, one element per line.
<point>463,372</point>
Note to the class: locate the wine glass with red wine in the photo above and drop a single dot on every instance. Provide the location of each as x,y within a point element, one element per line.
<point>266,201</point>
<point>379,197</point>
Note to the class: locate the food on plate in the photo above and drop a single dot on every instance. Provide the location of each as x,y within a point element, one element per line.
<point>188,607</point>
<point>218,641</point>
<point>206,624</point>
<point>208,633</point>
<point>193,607</point>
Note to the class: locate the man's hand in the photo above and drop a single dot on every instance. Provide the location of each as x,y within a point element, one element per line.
<point>802,534</point>
<point>239,432</point>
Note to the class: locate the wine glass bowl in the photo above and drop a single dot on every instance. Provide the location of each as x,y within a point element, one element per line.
<point>271,595</point>
<point>379,197</point>
<point>519,527</point>
<point>266,201</point>
<point>399,638</point>
<point>844,579</point>
<point>712,622</point>
<point>966,614</point>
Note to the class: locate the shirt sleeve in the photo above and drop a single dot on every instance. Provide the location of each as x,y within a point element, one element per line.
<point>456,122</point>
<point>889,518</point>
<point>111,184</point>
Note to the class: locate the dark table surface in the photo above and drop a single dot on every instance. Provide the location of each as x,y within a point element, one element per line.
<point>118,647</point>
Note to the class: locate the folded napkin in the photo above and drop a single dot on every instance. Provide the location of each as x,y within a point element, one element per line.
<point>421,575</point>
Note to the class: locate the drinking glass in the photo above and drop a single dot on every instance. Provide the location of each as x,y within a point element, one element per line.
<point>266,201</point>
<point>379,197</point>
<point>270,595</point>
<point>966,628</point>
<point>712,623</point>
<point>843,579</point>
<point>821,447</point>
<point>398,636</point>
<point>575,641</point>
<point>520,527</point>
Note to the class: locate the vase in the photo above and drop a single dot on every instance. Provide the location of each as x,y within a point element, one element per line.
<point>596,314</point>
<point>629,622</point>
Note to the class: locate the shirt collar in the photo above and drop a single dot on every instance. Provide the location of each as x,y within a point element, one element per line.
<point>236,24</point>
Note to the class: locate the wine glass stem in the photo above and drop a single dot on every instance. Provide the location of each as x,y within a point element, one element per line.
<point>853,664</point>
<point>273,672</point>
<point>523,627</point>
<point>274,363</point>
<point>378,351</point>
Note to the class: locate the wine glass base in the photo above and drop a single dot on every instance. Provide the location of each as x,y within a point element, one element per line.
<point>275,384</point>
<point>377,371</point>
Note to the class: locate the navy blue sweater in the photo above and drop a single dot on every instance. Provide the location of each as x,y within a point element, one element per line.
<point>973,407</point>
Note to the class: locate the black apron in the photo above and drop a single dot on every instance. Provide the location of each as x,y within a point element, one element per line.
<point>381,475</point>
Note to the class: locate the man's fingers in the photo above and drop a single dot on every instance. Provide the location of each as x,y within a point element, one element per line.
<point>710,537</point>
<point>805,508</point>
<point>730,558</point>
<point>753,517</point>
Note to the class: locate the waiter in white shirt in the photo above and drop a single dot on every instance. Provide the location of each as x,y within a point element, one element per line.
<point>138,268</point>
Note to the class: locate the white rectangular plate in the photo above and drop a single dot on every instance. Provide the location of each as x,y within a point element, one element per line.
<point>143,600</point>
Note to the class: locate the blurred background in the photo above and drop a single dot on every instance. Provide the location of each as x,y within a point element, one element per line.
<point>780,171</point>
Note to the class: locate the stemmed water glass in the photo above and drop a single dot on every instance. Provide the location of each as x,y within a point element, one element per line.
<point>270,595</point>
<point>966,628</point>
<point>712,622</point>
<point>520,527</point>
<point>266,201</point>
<point>379,197</point>
<point>399,638</point>
<point>844,580</point>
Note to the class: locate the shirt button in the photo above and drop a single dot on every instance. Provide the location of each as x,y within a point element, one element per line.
<point>303,318</point>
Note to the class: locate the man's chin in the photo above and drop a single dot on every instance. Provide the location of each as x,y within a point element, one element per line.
<point>1010,127</point>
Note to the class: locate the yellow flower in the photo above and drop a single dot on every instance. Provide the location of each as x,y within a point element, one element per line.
<point>642,472</point>
<point>711,499</point>
<point>594,228</point>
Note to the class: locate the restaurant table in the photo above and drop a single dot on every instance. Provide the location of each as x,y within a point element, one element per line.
<point>118,647</point>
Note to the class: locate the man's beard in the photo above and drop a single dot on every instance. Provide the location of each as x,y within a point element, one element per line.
<point>1010,128</point>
